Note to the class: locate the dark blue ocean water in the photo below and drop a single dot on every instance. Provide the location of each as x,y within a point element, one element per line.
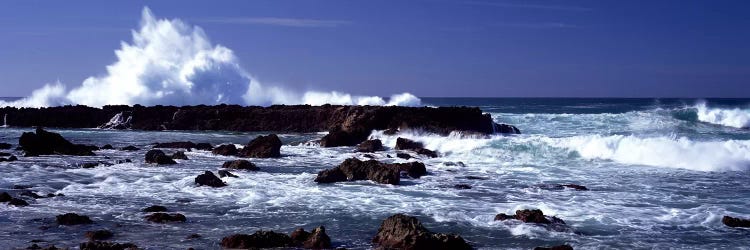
<point>661,174</point>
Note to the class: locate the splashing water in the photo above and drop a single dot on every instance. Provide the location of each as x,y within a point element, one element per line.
<point>172,63</point>
<point>738,118</point>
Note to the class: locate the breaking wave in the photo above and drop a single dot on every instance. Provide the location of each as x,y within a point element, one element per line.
<point>172,63</point>
<point>738,118</point>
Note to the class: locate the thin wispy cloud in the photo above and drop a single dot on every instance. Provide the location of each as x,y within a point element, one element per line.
<point>528,6</point>
<point>278,21</point>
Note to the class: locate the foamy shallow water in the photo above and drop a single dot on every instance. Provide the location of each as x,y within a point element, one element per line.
<point>649,188</point>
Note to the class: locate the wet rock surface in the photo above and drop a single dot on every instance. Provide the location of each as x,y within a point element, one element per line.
<point>158,157</point>
<point>165,217</point>
<point>42,142</point>
<point>209,179</point>
<point>406,232</point>
<point>72,219</point>
<point>99,235</point>
<point>268,146</point>
<point>259,239</point>
<point>240,165</point>
<point>354,169</point>
<point>735,222</point>
<point>370,146</point>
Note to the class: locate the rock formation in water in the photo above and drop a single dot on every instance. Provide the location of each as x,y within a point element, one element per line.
<point>405,232</point>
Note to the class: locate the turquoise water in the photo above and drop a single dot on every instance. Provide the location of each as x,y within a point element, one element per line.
<point>661,174</point>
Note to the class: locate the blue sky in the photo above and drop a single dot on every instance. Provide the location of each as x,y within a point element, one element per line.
<point>429,48</point>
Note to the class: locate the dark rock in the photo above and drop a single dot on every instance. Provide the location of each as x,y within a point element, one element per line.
<point>426,152</point>
<point>260,239</point>
<point>21,186</point>
<point>240,164</point>
<point>107,146</point>
<point>461,186</point>
<point>268,146</point>
<point>5,146</point>
<point>165,217</point>
<point>130,148</point>
<point>88,164</point>
<point>560,247</point>
<point>31,194</point>
<point>5,154</point>
<point>225,173</point>
<point>17,202</point>
<point>155,208</point>
<point>477,178</point>
<point>5,197</point>
<point>99,235</point>
<point>226,150</point>
<point>73,219</point>
<point>576,187</point>
<point>369,156</point>
<point>502,217</point>
<point>37,247</point>
<point>353,169</point>
<point>390,131</point>
<point>405,232</point>
<point>506,129</point>
<point>194,236</point>
<point>204,146</point>
<point>460,164</point>
<point>12,158</point>
<point>209,179</point>
<point>48,143</point>
<point>370,146</point>
<point>158,157</point>
<point>179,155</point>
<point>404,156</point>
<point>735,222</point>
<point>178,144</point>
<point>317,239</point>
<point>417,147</point>
<point>104,245</point>
<point>340,138</point>
<point>531,216</point>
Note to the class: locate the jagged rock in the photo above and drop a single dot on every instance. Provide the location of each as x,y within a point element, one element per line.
<point>240,164</point>
<point>204,146</point>
<point>107,146</point>
<point>48,143</point>
<point>5,146</point>
<point>73,219</point>
<point>103,245</point>
<point>179,144</point>
<point>130,148</point>
<point>417,147</point>
<point>339,138</point>
<point>165,217</point>
<point>461,186</point>
<point>560,247</point>
<point>209,179</point>
<point>225,173</point>
<point>370,146</point>
<point>5,197</point>
<point>17,202</point>
<point>99,235</point>
<point>259,239</point>
<point>506,129</point>
<point>226,150</point>
<point>405,232</point>
<point>158,157</point>
<point>37,247</point>
<point>268,146</point>
<point>530,216</point>
<point>317,239</point>
<point>179,155</point>
<point>735,222</point>
<point>354,169</point>
<point>404,156</point>
<point>155,208</point>
<point>576,187</point>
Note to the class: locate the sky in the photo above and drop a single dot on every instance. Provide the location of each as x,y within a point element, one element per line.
<point>431,48</point>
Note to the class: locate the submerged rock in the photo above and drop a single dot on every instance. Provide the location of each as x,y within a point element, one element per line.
<point>506,129</point>
<point>17,202</point>
<point>107,146</point>
<point>204,146</point>
<point>209,179</point>
<point>530,216</point>
<point>462,186</point>
<point>225,150</point>
<point>158,157</point>
<point>99,235</point>
<point>104,245</point>
<point>268,146</point>
<point>560,247</point>
<point>130,148</point>
<point>165,217</point>
<point>225,173</point>
<point>417,147</point>
<point>241,165</point>
<point>155,208</point>
<point>354,169</point>
<point>179,155</point>
<point>73,219</point>
<point>5,197</point>
<point>259,239</point>
<point>5,145</point>
<point>48,143</point>
<point>370,146</point>
<point>317,239</point>
<point>405,232</point>
<point>735,222</point>
<point>340,138</point>
<point>404,156</point>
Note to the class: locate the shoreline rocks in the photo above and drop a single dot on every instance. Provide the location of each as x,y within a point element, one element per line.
<point>165,217</point>
<point>530,216</point>
<point>240,165</point>
<point>353,169</point>
<point>400,231</point>
<point>70,219</point>
<point>42,142</point>
<point>735,222</point>
<point>417,147</point>
<point>268,146</point>
<point>370,146</point>
<point>209,179</point>
<point>158,157</point>
<point>259,239</point>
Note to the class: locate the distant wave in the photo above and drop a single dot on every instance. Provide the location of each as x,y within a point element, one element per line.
<point>172,63</point>
<point>738,118</point>
<point>661,151</point>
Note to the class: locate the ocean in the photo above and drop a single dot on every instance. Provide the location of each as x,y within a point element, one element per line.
<point>661,173</point>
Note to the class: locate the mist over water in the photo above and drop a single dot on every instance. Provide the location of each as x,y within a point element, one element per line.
<point>169,62</point>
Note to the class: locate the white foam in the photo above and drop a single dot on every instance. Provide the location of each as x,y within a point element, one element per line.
<point>170,62</point>
<point>738,118</point>
<point>661,151</point>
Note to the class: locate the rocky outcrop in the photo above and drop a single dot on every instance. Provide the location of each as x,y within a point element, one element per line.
<point>241,165</point>
<point>158,157</point>
<point>165,217</point>
<point>5,197</point>
<point>209,179</point>
<point>48,143</point>
<point>735,222</point>
<point>317,239</point>
<point>354,169</point>
<point>505,129</point>
<point>104,245</point>
<point>130,148</point>
<point>530,216</point>
<point>259,239</point>
<point>99,235</point>
<point>225,150</point>
<point>204,146</point>
<point>5,146</point>
<point>268,146</point>
<point>72,219</point>
<point>405,232</point>
<point>417,147</point>
<point>179,155</point>
<point>370,146</point>
<point>225,173</point>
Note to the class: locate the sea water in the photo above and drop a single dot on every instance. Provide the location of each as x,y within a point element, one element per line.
<point>661,174</point>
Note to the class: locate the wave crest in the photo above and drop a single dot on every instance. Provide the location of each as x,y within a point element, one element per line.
<point>738,118</point>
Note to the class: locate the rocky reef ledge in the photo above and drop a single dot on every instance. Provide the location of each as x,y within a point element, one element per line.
<point>347,125</point>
